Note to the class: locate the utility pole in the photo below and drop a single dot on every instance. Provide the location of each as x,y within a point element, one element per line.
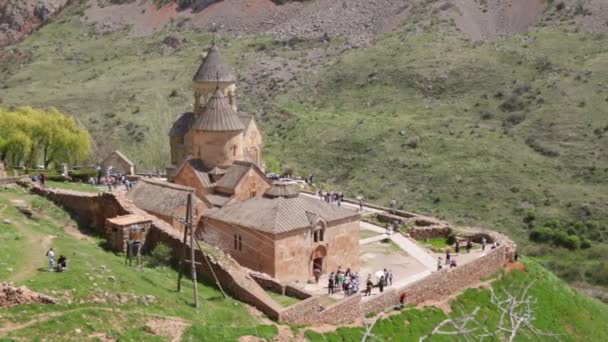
<point>189,220</point>
<point>188,230</point>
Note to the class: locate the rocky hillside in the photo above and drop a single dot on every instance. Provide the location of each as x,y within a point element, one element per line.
<point>359,21</point>
<point>19,18</point>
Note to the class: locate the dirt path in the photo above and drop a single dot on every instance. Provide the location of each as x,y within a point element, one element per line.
<point>34,254</point>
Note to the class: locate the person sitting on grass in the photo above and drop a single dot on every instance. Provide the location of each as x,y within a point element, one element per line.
<point>62,264</point>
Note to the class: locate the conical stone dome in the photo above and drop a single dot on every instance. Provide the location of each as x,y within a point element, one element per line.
<point>213,68</point>
<point>218,115</point>
<point>282,190</point>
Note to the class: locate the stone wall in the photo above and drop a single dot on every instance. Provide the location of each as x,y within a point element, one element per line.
<point>295,292</point>
<point>268,283</point>
<point>441,283</point>
<point>90,209</point>
<point>431,232</point>
<point>304,312</point>
<point>344,311</point>
<point>10,180</point>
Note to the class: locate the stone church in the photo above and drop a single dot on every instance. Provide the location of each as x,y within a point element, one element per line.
<point>216,154</point>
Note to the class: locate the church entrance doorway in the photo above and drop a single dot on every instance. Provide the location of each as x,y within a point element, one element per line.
<point>317,264</point>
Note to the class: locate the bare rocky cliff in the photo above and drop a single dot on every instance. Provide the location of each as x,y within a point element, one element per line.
<point>19,18</point>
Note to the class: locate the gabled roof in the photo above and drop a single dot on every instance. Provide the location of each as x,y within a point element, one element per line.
<point>182,125</point>
<point>213,68</point>
<point>245,118</point>
<point>199,169</point>
<point>121,156</point>
<point>161,197</point>
<point>218,115</point>
<point>235,173</point>
<point>280,215</point>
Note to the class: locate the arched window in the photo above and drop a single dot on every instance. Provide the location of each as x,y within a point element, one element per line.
<point>318,234</point>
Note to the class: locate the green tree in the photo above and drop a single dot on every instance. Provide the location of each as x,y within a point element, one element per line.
<point>29,134</point>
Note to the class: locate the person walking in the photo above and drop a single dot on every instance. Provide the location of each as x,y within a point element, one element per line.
<point>51,255</point>
<point>368,287</point>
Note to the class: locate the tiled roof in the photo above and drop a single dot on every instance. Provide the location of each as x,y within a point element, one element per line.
<point>218,115</point>
<point>282,190</point>
<point>234,174</point>
<point>280,215</point>
<point>213,68</point>
<point>160,197</point>
<point>182,125</point>
<point>217,200</point>
<point>121,156</point>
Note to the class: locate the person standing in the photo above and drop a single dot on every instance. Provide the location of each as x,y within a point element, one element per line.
<point>330,284</point>
<point>447,257</point>
<point>457,247</point>
<point>393,207</point>
<point>439,264</point>
<point>381,284</point>
<point>483,243</point>
<point>42,179</point>
<point>390,277</point>
<point>360,204</point>
<point>469,246</point>
<point>51,255</point>
<point>368,287</point>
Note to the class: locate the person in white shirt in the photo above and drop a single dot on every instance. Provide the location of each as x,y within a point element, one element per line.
<point>51,255</point>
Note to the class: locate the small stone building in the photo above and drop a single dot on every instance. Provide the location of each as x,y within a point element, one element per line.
<point>121,229</point>
<point>285,234</point>
<point>167,201</point>
<point>118,163</point>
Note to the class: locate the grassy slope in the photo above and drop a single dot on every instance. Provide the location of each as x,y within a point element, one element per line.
<point>471,168</point>
<point>90,270</point>
<point>558,310</point>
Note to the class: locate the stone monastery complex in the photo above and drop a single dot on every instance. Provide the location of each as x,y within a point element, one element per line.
<point>216,154</point>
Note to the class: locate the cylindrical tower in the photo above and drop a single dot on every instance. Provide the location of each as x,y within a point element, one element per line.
<point>213,74</point>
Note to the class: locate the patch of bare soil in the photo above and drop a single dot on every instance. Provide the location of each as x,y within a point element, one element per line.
<point>494,19</point>
<point>516,266</point>
<point>173,329</point>
<point>12,296</point>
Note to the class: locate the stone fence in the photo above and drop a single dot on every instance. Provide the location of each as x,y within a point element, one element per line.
<point>10,180</point>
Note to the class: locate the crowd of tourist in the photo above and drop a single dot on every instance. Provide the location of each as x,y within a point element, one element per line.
<point>331,196</point>
<point>349,283</point>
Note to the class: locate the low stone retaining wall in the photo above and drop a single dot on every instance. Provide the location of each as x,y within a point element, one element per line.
<point>344,311</point>
<point>304,312</point>
<point>441,283</point>
<point>296,292</point>
<point>432,232</point>
<point>10,180</point>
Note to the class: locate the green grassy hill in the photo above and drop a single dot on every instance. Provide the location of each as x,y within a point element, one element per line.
<point>510,135</point>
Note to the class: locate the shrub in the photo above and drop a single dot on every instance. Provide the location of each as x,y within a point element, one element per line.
<point>512,104</point>
<point>541,235</point>
<point>82,175</point>
<point>586,244</point>
<point>160,256</point>
<point>514,119</point>
<point>451,239</point>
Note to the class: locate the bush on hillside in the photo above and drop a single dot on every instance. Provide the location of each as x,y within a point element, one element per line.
<point>160,256</point>
<point>82,175</point>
